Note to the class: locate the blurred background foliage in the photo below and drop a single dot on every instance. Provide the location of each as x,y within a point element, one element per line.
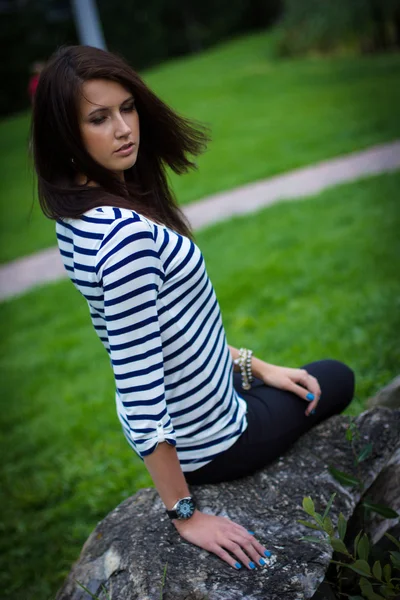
<point>362,26</point>
<point>145,32</point>
<point>150,32</point>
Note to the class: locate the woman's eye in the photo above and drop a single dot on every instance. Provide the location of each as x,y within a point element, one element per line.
<point>98,120</point>
<point>129,108</point>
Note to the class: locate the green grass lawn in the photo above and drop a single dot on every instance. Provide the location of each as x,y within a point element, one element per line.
<point>297,282</point>
<point>267,116</point>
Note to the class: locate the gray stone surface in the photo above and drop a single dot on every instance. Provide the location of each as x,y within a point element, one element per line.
<point>23,274</point>
<point>129,549</point>
<point>388,396</point>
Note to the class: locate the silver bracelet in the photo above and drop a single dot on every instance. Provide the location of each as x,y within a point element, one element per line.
<point>244,363</point>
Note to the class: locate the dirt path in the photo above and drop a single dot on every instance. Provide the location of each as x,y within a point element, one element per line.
<point>42,267</point>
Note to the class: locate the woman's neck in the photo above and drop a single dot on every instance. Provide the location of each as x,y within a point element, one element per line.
<point>83,180</point>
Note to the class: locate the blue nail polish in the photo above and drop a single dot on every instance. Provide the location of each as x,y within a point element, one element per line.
<point>310,396</point>
<point>267,553</point>
<point>312,412</point>
<point>251,532</point>
<point>262,562</point>
<point>252,565</point>
<point>238,566</point>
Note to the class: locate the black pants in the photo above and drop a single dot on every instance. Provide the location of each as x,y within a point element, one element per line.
<point>276,420</point>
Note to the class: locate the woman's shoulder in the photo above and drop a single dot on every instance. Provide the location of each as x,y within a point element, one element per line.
<point>109,214</point>
<point>100,233</point>
<point>98,221</point>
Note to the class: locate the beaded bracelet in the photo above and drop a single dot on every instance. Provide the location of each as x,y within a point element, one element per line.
<point>244,363</point>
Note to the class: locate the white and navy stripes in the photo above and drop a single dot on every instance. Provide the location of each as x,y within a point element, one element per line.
<point>155,310</point>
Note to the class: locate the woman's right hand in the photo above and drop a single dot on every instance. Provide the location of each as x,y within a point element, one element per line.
<point>224,538</point>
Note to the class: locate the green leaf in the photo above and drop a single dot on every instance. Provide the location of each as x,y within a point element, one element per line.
<point>363,548</point>
<point>380,509</point>
<point>338,545</point>
<point>361,567</point>
<point>356,598</point>
<point>308,524</point>
<point>395,554</point>
<point>365,452</point>
<point>395,558</point>
<point>356,542</point>
<point>86,590</point>
<point>328,526</point>
<point>387,572</point>
<point>319,520</point>
<point>377,570</point>
<point>355,431</point>
<point>349,434</point>
<point>366,587</point>
<point>388,591</point>
<point>367,512</point>
<point>393,539</point>
<point>163,580</point>
<point>368,590</point>
<point>308,506</point>
<point>310,538</point>
<point>343,477</point>
<point>342,526</point>
<point>329,506</point>
<point>105,591</point>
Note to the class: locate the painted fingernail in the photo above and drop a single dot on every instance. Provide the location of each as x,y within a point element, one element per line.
<point>310,396</point>
<point>252,565</point>
<point>251,532</point>
<point>262,562</point>
<point>267,553</point>
<point>238,566</point>
<point>312,412</point>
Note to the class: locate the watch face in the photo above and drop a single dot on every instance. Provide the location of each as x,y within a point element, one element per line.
<point>185,508</point>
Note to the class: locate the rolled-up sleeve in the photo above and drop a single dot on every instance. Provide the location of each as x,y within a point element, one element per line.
<point>129,269</point>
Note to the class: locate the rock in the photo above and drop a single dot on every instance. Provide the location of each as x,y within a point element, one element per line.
<point>136,553</point>
<point>388,396</point>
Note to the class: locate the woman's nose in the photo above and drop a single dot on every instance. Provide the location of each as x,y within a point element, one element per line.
<point>122,128</point>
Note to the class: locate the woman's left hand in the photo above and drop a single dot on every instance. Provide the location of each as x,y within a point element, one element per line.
<point>285,378</point>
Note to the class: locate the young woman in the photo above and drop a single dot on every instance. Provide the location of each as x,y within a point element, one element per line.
<point>101,142</point>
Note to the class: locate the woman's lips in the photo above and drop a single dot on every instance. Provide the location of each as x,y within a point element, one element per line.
<point>126,149</point>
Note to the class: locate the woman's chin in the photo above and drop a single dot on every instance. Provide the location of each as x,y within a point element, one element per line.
<point>122,164</point>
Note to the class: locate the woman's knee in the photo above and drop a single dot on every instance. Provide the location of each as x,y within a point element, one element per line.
<point>337,378</point>
<point>344,379</point>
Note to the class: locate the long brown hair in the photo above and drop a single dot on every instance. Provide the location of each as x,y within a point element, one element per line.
<point>166,139</point>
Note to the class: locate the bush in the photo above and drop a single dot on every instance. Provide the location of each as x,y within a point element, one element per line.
<point>346,25</point>
<point>359,569</point>
<point>145,33</point>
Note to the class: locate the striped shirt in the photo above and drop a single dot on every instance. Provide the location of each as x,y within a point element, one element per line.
<point>155,311</point>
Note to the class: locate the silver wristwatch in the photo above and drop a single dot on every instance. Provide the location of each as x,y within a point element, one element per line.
<point>183,509</point>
